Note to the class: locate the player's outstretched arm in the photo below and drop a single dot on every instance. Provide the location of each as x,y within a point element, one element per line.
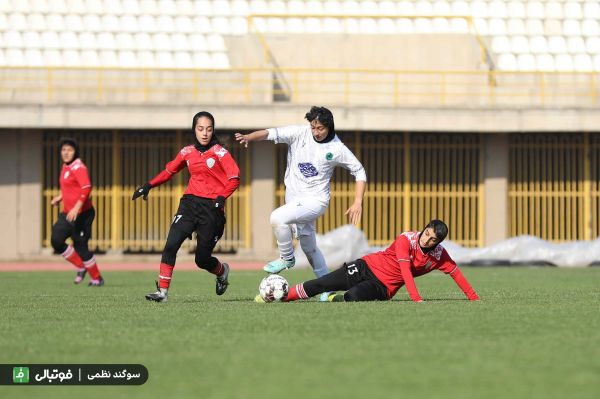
<point>463,284</point>
<point>258,135</point>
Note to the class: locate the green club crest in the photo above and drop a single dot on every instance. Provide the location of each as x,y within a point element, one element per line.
<point>329,156</point>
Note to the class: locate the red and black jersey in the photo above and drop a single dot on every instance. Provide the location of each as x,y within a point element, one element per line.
<point>75,185</point>
<point>213,173</point>
<point>404,260</point>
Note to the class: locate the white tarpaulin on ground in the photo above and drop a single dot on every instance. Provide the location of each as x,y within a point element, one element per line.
<point>348,243</point>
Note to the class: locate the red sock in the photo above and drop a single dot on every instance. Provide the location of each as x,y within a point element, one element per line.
<point>92,268</point>
<point>219,270</point>
<point>295,293</point>
<point>73,257</point>
<point>164,278</point>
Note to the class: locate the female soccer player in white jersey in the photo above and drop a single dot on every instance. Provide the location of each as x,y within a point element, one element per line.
<point>313,153</point>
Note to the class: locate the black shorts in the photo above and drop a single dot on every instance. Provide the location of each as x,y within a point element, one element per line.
<point>356,278</point>
<point>78,230</point>
<point>196,214</point>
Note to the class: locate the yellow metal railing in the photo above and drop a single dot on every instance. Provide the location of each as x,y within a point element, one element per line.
<point>118,162</point>
<point>554,186</point>
<point>412,178</point>
<point>347,86</point>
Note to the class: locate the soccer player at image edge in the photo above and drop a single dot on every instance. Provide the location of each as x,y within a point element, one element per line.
<point>378,276</point>
<point>77,216</point>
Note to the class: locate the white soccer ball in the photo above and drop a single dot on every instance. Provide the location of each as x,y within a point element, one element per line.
<point>273,288</point>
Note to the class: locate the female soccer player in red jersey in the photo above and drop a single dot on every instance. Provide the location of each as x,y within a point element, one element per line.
<point>378,276</point>
<point>214,176</point>
<point>78,214</point>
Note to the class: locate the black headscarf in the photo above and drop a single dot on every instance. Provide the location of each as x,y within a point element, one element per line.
<point>213,139</point>
<point>73,143</point>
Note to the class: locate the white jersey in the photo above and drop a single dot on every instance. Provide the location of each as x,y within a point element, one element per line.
<point>310,164</point>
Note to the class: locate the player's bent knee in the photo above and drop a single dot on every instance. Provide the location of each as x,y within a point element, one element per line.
<point>351,296</point>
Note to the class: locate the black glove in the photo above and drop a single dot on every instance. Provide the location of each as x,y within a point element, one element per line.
<point>219,202</point>
<point>142,191</point>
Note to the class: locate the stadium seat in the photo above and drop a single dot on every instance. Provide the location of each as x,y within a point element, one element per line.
<point>112,7</point>
<point>552,27</point>
<point>554,10</point>
<point>150,7</point>
<point>507,62</point>
<point>545,62</point>
<point>239,26</point>
<point>295,25</point>
<point>368,26</point>
<point>52,57</point>
<point>368,8</point>
<point>479,9</point>
<point>516,27</point>
<point>519,45</point>
<point>220,61</point>
<point>298,7</point>
<point>534,27</point>
<point>404,25</point>
<point>165,24</point>
<point>259,7</point>
<point>526,62</point>
<point>241,7</point>
<point>423,8</point>
<point>590,27</point>
<point>497,9</point>
<point>31,40</point>
<point>441,7</point>
<point>110,23</point>
<point>50,39</point>
<point>106,41</point>
<point>89,58</point>
<point>146,59</point>
<point>572,9</point>
<point>276,25</point>
<point>164,59</point>
<point>384,26</point>
<point>221,26</point>
<point>583,63</point>
<point>183,59</point>
<point>348,7</point>
<point>597,62</point>
<point>405,8</point>
<point>571,27</point>
<point>34,57</point>
<point>422,25</point>
<point>460,8</point>
<point>129,23</point>
<point>497,26</point>
<point>179,42</point>
<point>387,8</point>
<point>557,45</point>
<point>440,25</point>
<point>332,25</point>
<point>535,9</point>
<point>481,26</point>
<point>12,39</point>
<point>14,57</point>
<point>563,62</point>
<point>576,45</point>
<point>71,58</point>
<point>201,59</point>
<point>143,41</point>
<point>55,22</point>
<point>87,40</point>
<point>161,42</point>
<point>125,41</point>
<point>215,43</point>
<point>202,24</point>
<point>459,25</point>
<point>74,23</point>
<point>313,25</point>
<point>69,40</point>
<point>591,9</point>
<point>57,6</point>
<point>183,24</point>
<point>500,45</point>
<point>592,44</point>
<point>516,9</point>
<point>17,22</point>
<point>131,7</point>
<point>168,7</point>
<point>221,8</point>
<point>538,45</point>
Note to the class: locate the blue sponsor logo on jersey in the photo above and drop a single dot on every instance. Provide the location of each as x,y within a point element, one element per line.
<point>308,169</point>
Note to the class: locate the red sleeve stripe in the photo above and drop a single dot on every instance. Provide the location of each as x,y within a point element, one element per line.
<point>169,172</point>
<point>89,185</point>
<point>403,260</point>
<point>453,270</point>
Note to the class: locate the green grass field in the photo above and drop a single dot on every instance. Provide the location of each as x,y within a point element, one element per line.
<point>535,334</point>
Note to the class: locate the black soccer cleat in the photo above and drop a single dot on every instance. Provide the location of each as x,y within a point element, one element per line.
<point>96,283</point>
<point>80,276</point>
<point>222,281</point>
<point>157,296</point>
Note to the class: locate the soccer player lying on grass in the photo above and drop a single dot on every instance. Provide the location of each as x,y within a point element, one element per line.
<point>378,276</point>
